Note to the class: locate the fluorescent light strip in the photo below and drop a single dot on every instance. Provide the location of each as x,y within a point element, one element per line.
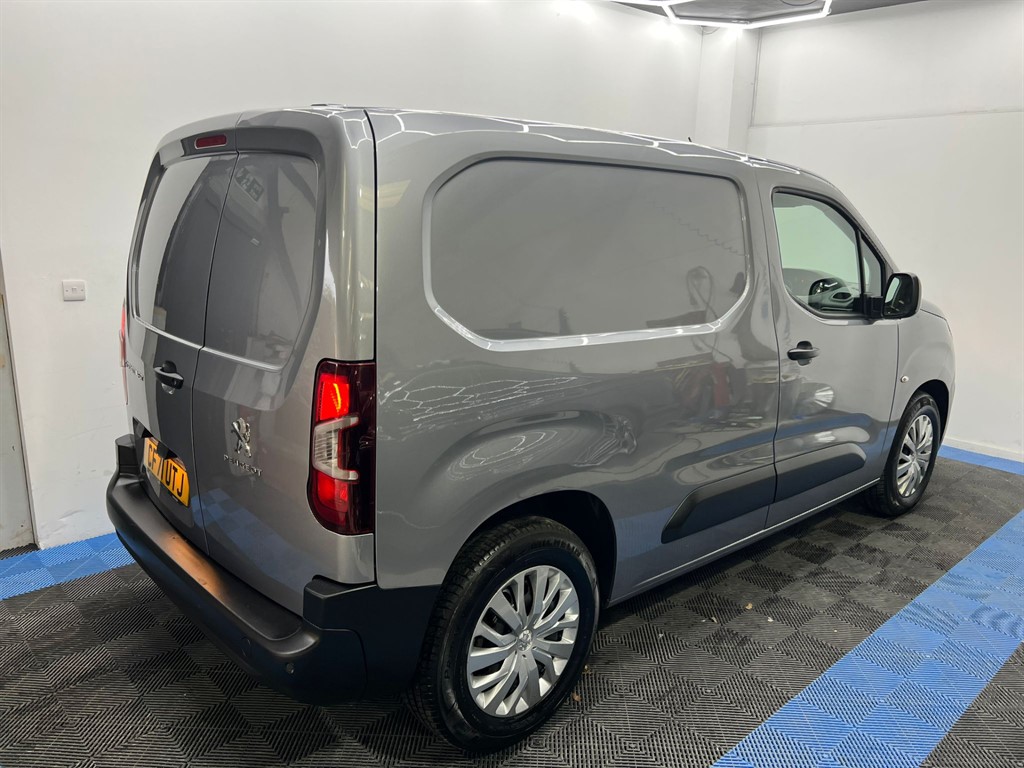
<point>675,18</point>
<point>658,3</point>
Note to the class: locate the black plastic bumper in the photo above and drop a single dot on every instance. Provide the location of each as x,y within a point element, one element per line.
<point>340,649</point>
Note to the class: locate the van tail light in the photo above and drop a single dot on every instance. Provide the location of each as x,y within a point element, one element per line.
<point>124,351</point>
<point>343,451</point>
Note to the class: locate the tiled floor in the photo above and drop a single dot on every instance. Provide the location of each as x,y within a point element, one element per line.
<point>103,670</point>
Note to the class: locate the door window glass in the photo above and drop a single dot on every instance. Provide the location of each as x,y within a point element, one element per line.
<point>173,261</point>
<point>872,269</point>
<point>263,269</point>
<point>820,258</point>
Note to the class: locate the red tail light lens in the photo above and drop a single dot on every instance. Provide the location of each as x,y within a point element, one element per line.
<point>333,396</point>
<point>124,355</point>
<point>342,455</point>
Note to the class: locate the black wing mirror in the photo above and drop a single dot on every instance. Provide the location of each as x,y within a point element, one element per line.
<point>902,295</point>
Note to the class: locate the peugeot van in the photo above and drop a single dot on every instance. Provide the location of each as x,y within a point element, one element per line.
<point>413,396</point>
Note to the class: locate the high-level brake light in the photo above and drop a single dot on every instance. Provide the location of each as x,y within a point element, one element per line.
<point>207,142</point>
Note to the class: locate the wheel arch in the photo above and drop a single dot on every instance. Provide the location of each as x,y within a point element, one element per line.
<point>581,512</point>
<point>939,392</point>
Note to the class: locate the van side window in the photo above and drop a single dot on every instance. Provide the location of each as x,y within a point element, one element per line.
<point>820,258</point>
<point>523,249</point>
<point>177,244</point>
<point>263,268</point>
<point>873,269</point>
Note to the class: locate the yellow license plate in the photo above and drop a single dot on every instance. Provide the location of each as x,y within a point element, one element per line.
<point>169,471</point>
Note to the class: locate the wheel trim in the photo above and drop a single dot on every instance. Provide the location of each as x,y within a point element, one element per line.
<point>522,641</point>
<point>915,456</point>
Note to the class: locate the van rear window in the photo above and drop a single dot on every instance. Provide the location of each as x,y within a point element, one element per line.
<point>263,268</point>
<point>173,260</point>
<point>524,248</point>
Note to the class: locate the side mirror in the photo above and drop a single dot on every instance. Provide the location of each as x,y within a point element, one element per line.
<point>902,295</point>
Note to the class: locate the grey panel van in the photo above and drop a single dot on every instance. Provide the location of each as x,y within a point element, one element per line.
<point>413,396</point>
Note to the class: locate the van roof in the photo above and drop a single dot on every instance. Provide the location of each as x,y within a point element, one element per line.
<point>579,133</point>
<point>587,133</point>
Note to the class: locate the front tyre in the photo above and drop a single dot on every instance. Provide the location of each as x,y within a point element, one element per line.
<point>911,459</point>
<point>509,635</point>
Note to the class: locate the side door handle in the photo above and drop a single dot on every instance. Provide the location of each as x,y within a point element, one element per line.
<point>803,352</point>
<point>169,377</point>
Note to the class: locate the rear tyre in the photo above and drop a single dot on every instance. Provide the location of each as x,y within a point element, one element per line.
<point>509,635</point>
<point>911,459</point>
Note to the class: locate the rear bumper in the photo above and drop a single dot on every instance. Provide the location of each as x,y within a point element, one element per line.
<point>319,657</point>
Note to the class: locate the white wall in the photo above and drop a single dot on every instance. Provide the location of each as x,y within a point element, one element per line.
<point>15,513</point>
<point>725,87</point>
<point>915,112</point>
<point>88,88</point>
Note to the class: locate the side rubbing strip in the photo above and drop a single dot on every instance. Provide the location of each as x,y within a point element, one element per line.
<point>802,473</point>
<point>720,501</point>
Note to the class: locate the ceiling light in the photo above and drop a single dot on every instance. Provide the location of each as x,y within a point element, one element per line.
<point>668,7</point>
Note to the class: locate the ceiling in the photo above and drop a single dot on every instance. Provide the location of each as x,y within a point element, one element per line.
<point>753,12</point>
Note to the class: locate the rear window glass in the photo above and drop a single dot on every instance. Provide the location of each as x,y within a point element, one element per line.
<point>177,245</point>
<point>523,248</point>
<point>263,268</point>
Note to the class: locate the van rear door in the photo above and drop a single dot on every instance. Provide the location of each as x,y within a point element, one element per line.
<point>291,269</point>
<point>167,286</point>
<point>252,402</point>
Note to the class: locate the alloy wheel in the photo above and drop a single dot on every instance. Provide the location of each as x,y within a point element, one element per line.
<point>522,641</point>
<point>915,456</point>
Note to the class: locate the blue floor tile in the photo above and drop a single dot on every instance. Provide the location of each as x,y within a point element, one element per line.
<point>946,645</point>
<point>36,570</point>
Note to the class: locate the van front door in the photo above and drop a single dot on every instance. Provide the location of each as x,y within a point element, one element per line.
<point>838,366</point>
